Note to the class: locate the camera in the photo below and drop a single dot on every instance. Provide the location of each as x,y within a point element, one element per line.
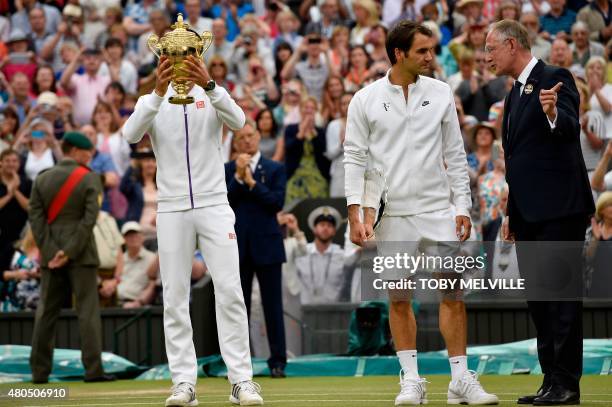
<point>314,40</point>
<point>247,41</point>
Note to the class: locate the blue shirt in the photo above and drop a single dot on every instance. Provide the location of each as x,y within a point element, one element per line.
<point>553,25</point>
<point>100,164</point>
<point>232,25</point>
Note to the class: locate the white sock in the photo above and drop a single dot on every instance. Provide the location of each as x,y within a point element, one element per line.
<point>458,365</point>
<point>408,362</point>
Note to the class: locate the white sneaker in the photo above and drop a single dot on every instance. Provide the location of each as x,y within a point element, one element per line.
<point>246,394</point>
<point>468,390</point>
<point>183,394</point>
<point>412,391</point>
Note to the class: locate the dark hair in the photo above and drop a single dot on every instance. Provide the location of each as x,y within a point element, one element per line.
<point>7,152</point>
<point>10,111</point>
<point>35,87</point>
<point>113,42</point>
<point>277,62</point>
<point>274,129</point>
<point>401,36</point>
<point>116,86</point>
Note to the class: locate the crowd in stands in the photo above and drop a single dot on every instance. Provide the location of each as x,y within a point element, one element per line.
<point>293,67</point>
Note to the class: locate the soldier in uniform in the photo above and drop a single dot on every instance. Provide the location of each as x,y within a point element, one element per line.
<point>64,205</point>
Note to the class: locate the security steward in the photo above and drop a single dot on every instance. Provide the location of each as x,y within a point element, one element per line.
<point>64,206</point>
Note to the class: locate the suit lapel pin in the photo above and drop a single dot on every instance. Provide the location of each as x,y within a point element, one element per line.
<point>528,88</point>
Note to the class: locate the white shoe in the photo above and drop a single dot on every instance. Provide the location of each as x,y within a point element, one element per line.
<point>412,391</point>
<point>468,390</point>
<point>246,394</point>
<point>183,394</point>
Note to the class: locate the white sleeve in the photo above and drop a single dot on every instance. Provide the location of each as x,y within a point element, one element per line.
<point>227,109</point>
<point>455,158</point>
<point>355,152</point>
<point>141,120</point>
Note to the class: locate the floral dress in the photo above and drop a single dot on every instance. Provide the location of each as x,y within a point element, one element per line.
<point>306,181</point>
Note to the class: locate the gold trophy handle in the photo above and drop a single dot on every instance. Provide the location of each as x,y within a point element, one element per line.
<point>153,44</point>
<point>207,39</point>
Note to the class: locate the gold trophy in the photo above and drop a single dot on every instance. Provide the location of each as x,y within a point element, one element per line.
<point>177,45</point>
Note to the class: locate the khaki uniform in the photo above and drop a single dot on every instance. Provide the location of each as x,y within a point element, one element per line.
<point>72,232</point>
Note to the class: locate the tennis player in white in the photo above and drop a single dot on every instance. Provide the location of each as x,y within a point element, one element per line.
<point>406,124</point>
<point>193,210</point>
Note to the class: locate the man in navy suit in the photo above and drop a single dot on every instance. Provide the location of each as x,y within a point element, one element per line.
<point>549,201</point>
<point>256,192</point>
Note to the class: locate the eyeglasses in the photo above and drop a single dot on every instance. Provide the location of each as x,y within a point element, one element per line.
<point>490,50</point>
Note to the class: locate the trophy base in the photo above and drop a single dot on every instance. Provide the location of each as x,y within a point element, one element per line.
<point>181,99</point>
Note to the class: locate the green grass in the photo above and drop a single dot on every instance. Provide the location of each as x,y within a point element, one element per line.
<point>300,392</point>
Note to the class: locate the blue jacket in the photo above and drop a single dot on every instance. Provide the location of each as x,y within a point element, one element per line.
<point>259,236</point>
<point>132,189</point>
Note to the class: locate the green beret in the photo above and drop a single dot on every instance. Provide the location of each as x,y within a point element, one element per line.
<point>78,140</point>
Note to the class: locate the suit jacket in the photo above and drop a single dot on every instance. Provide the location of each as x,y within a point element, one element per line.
<point>545,169</point>
<point>259,236</point>
<point>72,230</point>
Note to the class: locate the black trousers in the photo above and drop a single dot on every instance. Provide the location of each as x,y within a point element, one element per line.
<point>269,278</point>
<point>558,322</point>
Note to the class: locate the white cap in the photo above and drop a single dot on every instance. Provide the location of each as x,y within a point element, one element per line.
<point>130,226</point>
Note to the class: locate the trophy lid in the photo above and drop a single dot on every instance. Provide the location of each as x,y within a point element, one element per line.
<point>181,35</point>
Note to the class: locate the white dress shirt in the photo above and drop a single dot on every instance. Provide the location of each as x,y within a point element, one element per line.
<point>524,76</point>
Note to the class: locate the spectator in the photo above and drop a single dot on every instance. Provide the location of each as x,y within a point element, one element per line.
<point>110,255</point>
<point>601,91</point>
<point>139,187</point>
<point>159,24</point>
<point>558,22</point>
<point>288,25</point>
<point>102,163</point>
<point>597,252</point>
<point>288,110</point>
<point>334,151</point>
<point>358,72</point>
<point>466,71</point>
<point>260,84</point>
<point>84,89</point>
<point>19,58</point>
<point>137,16</point>
<point>540,48</point>
<point>491,186</point>
<point>473,38</point>
<point>482,159</point>
<point>321,270</point>
<point>20,95</point>
<point>339,50</point>
<point>47,108</point>
<point>14,203</point>
<point>115,96</point>
<point>560,54</point>
<point>508,10</point>
<point>39,34</point>
<point>69,31</point>
<point>307,167</point>
<point>9,125</point>
<point>112,16</point>
<point>20,18</point>
<point>468,12</point>
<point>231,12</point>
<point>135,288</point>
<point>366,17</point>
<point>42,149</point>
<point>109,138</point>
<point>482,90</point>
<point>376,41</point>
<point>267,127</point>
<point>221,46</point>
<point>44,81</point>
<point>330,19</point>
<point>281,57</point>
<point>5,28</point>
<point>602,178</point>
<point>117,67</point>
<point>217,67</point>
<point>314,70</point>
<point>599,20</point>
<point>332,93</point>
<point>245,46</point>
<point>193,9</point>
<point>23,279</point>
<point>592,130</point>
<point>582,47</point>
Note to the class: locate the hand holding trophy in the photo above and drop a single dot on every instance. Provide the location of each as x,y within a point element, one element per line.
<point>181,49</point>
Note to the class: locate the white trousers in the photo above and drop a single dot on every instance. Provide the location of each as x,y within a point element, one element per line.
<point>212,228</point>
